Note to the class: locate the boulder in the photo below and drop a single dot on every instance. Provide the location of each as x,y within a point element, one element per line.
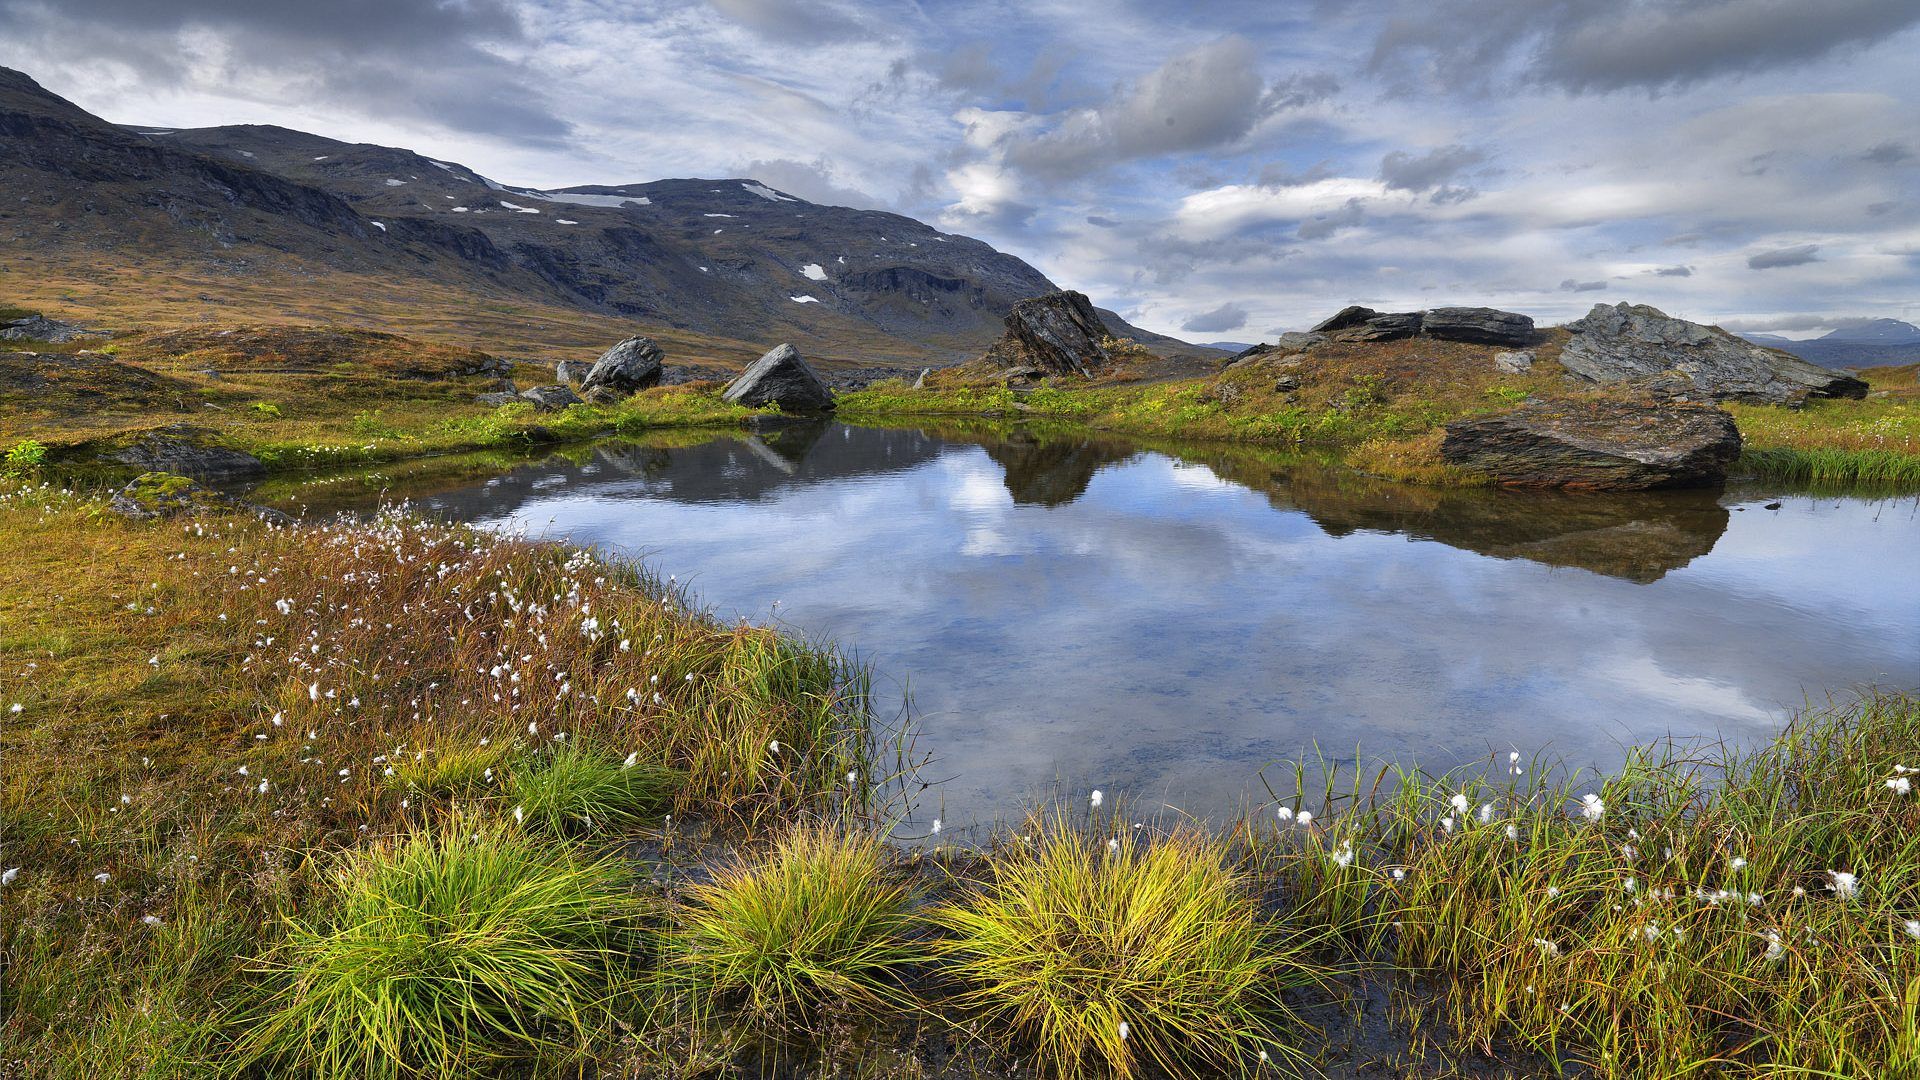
<point>41,328</point>
<point>175,450</point>
<point>1059,333</point>
<point>1596,445</point>
<point>1297,341</point>
<point>550,398</point>
<point>1513,363</point>
<point>570,372</point>
<point>780,378</point>
<point>1480,325</point>
<point>627,368</point>
<point>1637,343</point>
<point>497,398</point>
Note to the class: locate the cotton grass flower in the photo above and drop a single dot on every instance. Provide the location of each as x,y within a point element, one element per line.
<point>11,875</point>
<point>1900,785</point>
<point>1844,885</point>
<point>1592,807</point>
<point>1095,799</point>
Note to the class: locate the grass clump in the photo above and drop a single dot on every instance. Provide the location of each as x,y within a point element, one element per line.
<point>574,787</point>
<point>818,923</point>
<point>447,768</point>
<point>447,954</point>
<point>1110,955</point>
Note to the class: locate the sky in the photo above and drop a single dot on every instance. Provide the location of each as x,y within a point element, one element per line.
<point>1214,169</point>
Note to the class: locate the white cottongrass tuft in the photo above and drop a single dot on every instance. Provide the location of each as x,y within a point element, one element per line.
<point>1845,886</point>
<point>1592,807</point>
<point>1096,799</point>
<point>11,875</point>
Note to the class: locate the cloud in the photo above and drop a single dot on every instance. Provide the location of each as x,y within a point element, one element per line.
<point>813,181</point>
<point>803,21</point>
<point>1201,98</point>
<point>427,59</point>
<point>1102,222</point>
<point>1595,46</point>
<point>1321,226</point>
<point>1674,271</point>
<point>1887,153</point>
<point>1571,285</point>
<point>1228,316</point>
<point>1402,171</point>
<point>1799,255</point>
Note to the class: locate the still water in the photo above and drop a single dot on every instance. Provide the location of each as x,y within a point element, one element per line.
<point>1070,612</point>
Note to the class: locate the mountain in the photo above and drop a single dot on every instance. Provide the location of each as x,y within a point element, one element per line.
<point>1868,344</point>
<point>303,225</point>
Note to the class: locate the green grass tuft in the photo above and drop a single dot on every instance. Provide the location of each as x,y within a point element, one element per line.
<point>818,923</point>
<point>575,787</point>
<point>446,955</point>
<point>1077,935</point>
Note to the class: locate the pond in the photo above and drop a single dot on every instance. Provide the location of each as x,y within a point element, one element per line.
<point>1071,611</point>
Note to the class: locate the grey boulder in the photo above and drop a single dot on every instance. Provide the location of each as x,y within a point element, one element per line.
<point>497,398</point>
<point>570,372</point>
<point>41,328</point>
<point>1356,323</point>
<point>1637,343</point>
<point>1596,445</point>
<point>780,378</point>
<point>629,367</point>
<point>1479,325</point>
<point>550,398</point>
<point>175,451</point>
<point>1513,363</point>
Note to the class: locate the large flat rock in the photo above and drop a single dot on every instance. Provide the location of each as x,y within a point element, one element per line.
<point>1596,445</point>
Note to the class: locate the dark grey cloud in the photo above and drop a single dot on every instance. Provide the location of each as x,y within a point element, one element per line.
<point>1280,175</point>
<point>1228,316</point>
<point>1888,153</point>
<point>1674,271</point>
<point>1199,99</point>
<point>800,21</point>
<point>1403,171</point>
<point>426,59</point>
<point>1604,45</point>
<point>1798,255</point>
<point>1571,285</point>
<point>1102,222</point>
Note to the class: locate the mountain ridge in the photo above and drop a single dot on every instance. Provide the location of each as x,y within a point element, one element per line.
<point>733,260</point>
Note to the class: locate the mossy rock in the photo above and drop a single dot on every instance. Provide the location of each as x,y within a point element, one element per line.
<point>154,495</point>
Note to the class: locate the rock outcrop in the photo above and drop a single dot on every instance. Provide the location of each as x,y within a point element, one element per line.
<point>550,398</point>
<point>1293,341</point>
<point>1596,445</point>
<point>1479,325</point>
<point>41,328</point>
<point>1356,323</point>
<point>1059,333</point>
<point>1689,361</point>
<point>569,372</point>
<point>175,450</point>
<point>1513,363</point>
<point>780,378</point>
<point>627,368</point>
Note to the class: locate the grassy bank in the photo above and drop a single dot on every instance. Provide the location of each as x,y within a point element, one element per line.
<point>393,798</point>
<point>1381,408</point>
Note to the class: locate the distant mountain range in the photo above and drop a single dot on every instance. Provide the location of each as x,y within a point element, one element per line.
<point>1867,344</point>
<point>727,258</point>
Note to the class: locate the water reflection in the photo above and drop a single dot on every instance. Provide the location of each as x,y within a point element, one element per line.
<point>1079,610</point>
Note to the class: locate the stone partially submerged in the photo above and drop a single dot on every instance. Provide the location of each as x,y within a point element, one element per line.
<point>626,369</point>
<point>1059,333</point>
<point>1686,360</point>
<point>178,450</point>
<point>780,378</point>
<point>1596,445</point>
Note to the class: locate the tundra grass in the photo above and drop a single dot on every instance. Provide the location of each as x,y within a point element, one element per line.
<point>1875,442</point>
<point>818,924</point>
<point>197,715</point>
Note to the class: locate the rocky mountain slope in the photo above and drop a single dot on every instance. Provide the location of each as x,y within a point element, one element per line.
<point>729,258</point>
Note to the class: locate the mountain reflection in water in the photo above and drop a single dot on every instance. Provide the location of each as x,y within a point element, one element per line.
<point>1073,610</point>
